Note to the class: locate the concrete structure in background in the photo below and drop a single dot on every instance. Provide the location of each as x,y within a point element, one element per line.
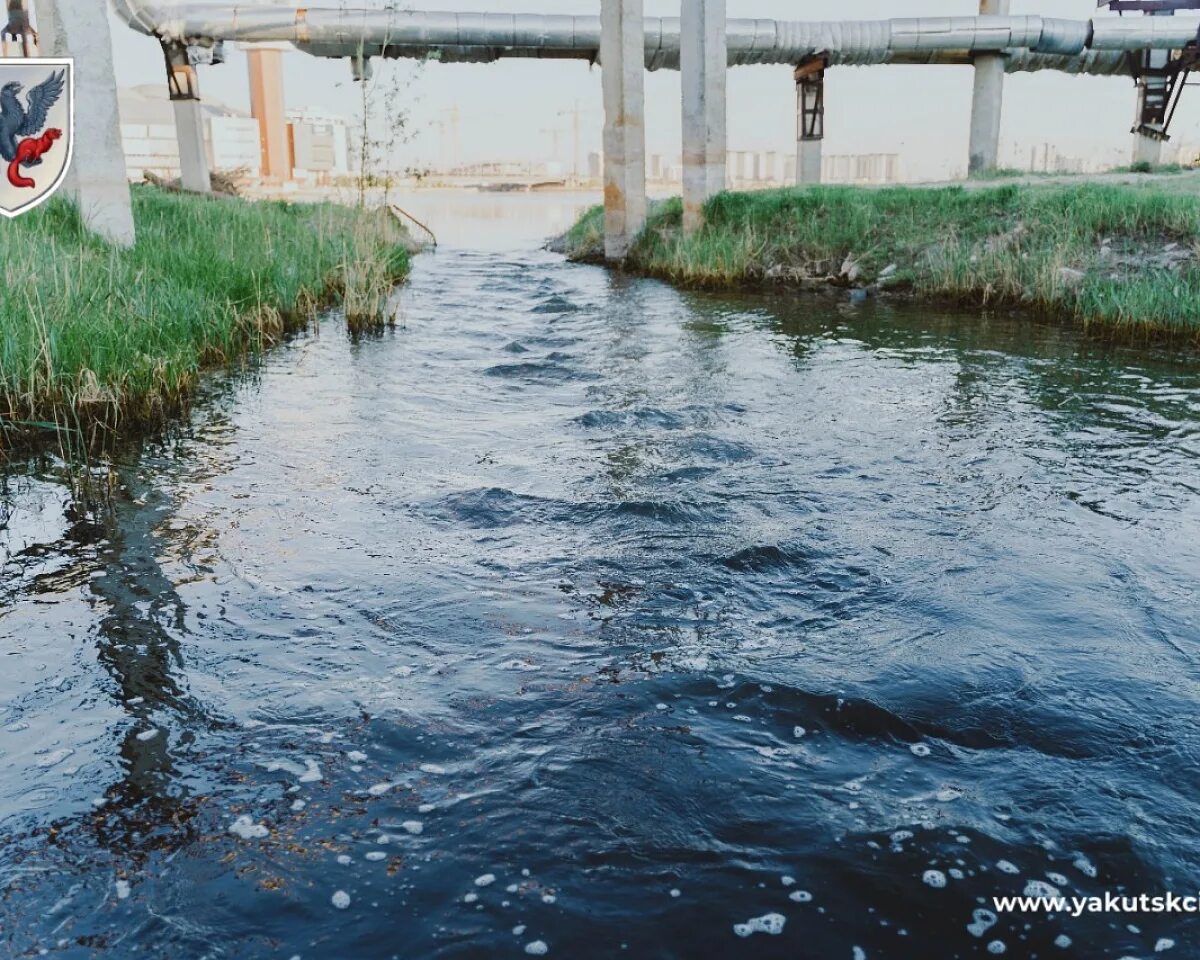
<point>267,107</point>
<point>622,62</point>
<point>320,145</point>
<point>68,28</point>
<point>703,64</point>
<point>183,86</point>
<point>987,102</point>
<point>810,119</point>
<point>149,137</point>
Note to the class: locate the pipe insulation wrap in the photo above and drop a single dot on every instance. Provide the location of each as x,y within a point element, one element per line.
<point>1029,42</point>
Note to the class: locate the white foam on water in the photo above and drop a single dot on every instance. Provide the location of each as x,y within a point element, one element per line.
<point>955,873</point>
<point>676,892</point>
<point>146,735</point>
<point>935,879</point>
<point>298,805</point>
<point>511,888</point>
<point>432,768</point>
<point>486,880</point>
<point>356,756</point>
<point>996,947</point>
<point>340,899</point>
<point>1004,866</point>
<point>1057,879</point>
<point>859,953</point>
<point>800,896</point>
<point>427,808</point>
<point>415,827</point>
<point>470,897</point>
<point>1040,888</point>
<point>947,795</point>
<point>1163,945</point>
<point>661,706</point>
<point>55,757</point>
<point>901,835</point>
<point>312,772</point>
<point>1085,866</point>
<point>981,922</point>
<point>1062,941</point>
<point>548,898</point>
<point>375,856</point>
<point>345,859</point>
<point>245,827</point>
<point>379,789</point>
<point>920,749</point>
<point>769,923</point>
<point>537,948</point>
<point>518,929</point>
<point>788,881</point>
<point>123,889</point>
<point>798,732</point>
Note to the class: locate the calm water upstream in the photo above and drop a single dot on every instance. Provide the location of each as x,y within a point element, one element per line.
<point>585,613</point>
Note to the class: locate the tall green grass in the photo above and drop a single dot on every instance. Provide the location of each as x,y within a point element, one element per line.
<point>94,340</point>
<point>1091,253</point>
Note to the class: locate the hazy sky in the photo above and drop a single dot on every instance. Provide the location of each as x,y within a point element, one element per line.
<point>507,108</point>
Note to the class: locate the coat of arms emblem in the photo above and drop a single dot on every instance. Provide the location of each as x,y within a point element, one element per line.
<point>37,113</point>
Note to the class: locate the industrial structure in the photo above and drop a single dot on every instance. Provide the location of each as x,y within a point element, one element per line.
<point>1157,50</point>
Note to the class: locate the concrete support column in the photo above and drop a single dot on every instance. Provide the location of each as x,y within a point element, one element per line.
<point>703,64</point>
<point>987,103</point>
<point>267,107</point>
<point>97,177</point>
<point>1154,95</point>
<point>623,63</point>
<point>810,120</point>
<point>184,88</point>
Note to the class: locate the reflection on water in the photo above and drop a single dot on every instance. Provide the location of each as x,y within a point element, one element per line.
<point>589,613</point>
<point>495,221</point>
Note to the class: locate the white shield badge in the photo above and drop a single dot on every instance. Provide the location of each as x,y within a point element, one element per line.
<point>37,126</point>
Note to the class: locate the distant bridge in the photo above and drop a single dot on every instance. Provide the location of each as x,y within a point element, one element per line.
<point>1157,51</point>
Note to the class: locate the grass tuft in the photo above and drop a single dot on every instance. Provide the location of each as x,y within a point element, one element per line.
<point>95,341</point>
<point>1125,258</point>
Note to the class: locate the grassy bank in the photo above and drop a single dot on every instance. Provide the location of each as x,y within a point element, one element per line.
<point>95,340</point>
<point>1125,258</point>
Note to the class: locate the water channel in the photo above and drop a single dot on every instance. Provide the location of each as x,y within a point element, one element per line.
<point>586,616</point>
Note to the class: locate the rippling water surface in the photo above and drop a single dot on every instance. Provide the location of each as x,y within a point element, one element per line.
<point>585,613</point>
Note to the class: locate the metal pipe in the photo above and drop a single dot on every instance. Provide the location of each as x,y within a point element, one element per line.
<point>1030,42</point>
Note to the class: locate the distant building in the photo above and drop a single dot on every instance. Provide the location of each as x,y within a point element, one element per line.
<point>319,142</point>
<point>320,145</point>
<point>148,134</point>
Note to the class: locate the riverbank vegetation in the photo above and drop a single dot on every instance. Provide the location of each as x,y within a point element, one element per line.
<point>96,340</point>
<point>1124,258</point>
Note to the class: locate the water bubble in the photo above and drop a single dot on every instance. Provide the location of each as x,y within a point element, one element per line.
<point>376,855</point>
<point>1163,945</point>
<point>1057,879</point>
<point>996,947</point>
<point>245,827</point>
<point>537,948</point>
<point>788,881</point>
<point>982,922</point>
<point>415,827</point>
<point>1085,866</point>
<point>920,750</point>
<point>147,735</point>
<point>935,879</point>
<point>340,899</point>
<point>800,896</point>
<point>769,923</point>
<point>1040,888</point>
<point>1004,866</point>
<point>798,732</point>
<point>123,889</point>
<point>486,880</point>
<point>1062,941</point>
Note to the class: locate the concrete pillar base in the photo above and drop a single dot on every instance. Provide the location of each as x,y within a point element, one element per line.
<point>97,178</point>
<point>623,65</point>
<point>193,155</point>
<point>1147,150</point>
<point>987,101</point>
<point>808,163</point>
<point>703,64</point>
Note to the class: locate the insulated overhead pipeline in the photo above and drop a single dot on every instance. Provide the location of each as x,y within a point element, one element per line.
<point>1098,46</point>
